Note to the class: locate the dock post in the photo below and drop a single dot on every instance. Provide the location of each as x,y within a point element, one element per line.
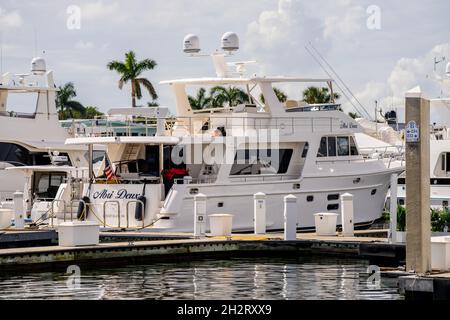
<point>290,217</point>
<point>418,224</point>
<point>260,212</point>
<point>19,222</point>
<point>347,215</point>
<point>393,209</point>
<point>199,215</point>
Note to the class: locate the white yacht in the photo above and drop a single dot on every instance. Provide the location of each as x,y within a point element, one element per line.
<point>36,138</point>
<point>229,154</point>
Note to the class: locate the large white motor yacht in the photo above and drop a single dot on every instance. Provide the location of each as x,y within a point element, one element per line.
<point>229,154</point>
<point>33,139</point>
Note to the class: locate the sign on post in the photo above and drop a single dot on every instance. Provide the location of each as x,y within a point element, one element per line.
<point>412,132</point>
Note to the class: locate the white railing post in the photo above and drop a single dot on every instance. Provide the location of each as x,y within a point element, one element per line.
<point>290,217</point>
<point>199,215</point>
<point>393,208</point>
<point>259,212</point>
<point>347,215</point>
<point>19,222</point>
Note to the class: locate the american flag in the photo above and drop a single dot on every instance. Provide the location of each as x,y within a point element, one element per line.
<point>109,173</point>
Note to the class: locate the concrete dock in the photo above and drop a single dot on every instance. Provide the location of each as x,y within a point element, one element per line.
<point>127,250</point>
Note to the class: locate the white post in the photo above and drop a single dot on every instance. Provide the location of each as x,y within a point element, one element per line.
<point>19,222</point>
<point>393,208</point>
<point>347,215</point>
<point>260,212</point>
<point>200,215</point>
<point>290,217</point>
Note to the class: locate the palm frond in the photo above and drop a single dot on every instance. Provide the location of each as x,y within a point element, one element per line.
<point>149,86</point>
<point>74,105</point>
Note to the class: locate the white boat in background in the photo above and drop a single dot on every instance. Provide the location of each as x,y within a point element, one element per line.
<point>229,154</point>
<point>32,139</point>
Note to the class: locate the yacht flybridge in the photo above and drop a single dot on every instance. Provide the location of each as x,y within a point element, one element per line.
<point>36,138</point>
<point>228,153</point>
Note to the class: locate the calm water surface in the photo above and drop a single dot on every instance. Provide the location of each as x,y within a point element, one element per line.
<point>250,278</point>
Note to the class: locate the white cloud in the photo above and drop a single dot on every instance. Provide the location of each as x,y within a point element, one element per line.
<point>100,10</point>
<point>406,74</point>
<point>84,44</point>
<point>10,20</point>
<point>346,24</point>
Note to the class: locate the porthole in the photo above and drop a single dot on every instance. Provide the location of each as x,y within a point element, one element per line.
<point>296,186</point>
<point>373,192</point>
<point>310,198</point>
<point>193,191</point>
<point>220,204</point>
<point>333,206</point>
<point>333,197</point>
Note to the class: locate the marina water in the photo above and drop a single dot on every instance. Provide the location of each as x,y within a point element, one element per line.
<point>237,278</point>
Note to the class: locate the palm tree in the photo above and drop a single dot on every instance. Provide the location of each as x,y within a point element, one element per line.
<point>200,101</point>
<point>232,96</point>
<point>353,115</point>
<point>318,95</point>
<point>130,70</point>
<point>281,95</point>
<point>92,112</point>
<point>64,101</point>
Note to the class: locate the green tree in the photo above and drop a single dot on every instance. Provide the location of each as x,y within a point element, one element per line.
<point>200,101</point>
<point>130,70</point>
<point>92,112</point>
<point>231,96</point>
<point>281,95</point>
<point>64,103</point>
<point>353,115</point>
<point>313,95</point>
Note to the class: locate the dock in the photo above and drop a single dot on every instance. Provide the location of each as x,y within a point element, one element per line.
<point>139,247</point>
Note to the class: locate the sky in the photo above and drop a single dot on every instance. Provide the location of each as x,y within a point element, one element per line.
<point>381,49</point>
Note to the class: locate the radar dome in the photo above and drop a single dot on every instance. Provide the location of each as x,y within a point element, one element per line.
<point>230,41</point>
<point>38,65</point>
<point>191,44</point>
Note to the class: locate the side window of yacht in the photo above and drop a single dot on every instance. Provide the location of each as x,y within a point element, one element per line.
<point>353,148</point>
<point>305,150</point>
<point>322,148</point>
<point>14,154</point>
<point>332,146</point>
<point>343,146</point>
<point>254,162</point>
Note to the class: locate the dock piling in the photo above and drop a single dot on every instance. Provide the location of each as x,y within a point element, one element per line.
<point>199,215</point>
<point>290,217</point>
<point>19,221</point>
<point>260,212</point>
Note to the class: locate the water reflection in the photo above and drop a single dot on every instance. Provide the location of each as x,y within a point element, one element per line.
<point>252,278</point>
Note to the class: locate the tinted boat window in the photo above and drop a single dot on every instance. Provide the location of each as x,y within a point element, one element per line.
<point>343,146</point>
<point>353,148</point>
<point>322,148</point>
<point>331,146</point>
<point>261,161</point>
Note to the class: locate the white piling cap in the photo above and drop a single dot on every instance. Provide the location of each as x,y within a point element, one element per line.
<point>259,195</point>
<point>347,196</point>
<point>200,197</point>
<point>290,198</point>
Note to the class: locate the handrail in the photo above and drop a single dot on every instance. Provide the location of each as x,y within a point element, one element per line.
<point>53,212</point>
<point>143,212</point>
<point>71,208</point>
<point>104,211</point>
<point>199,123</point>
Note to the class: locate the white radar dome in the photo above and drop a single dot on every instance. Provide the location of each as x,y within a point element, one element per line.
<point>191,44</point>
<point>230,41</point>
<point>38,65</point>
